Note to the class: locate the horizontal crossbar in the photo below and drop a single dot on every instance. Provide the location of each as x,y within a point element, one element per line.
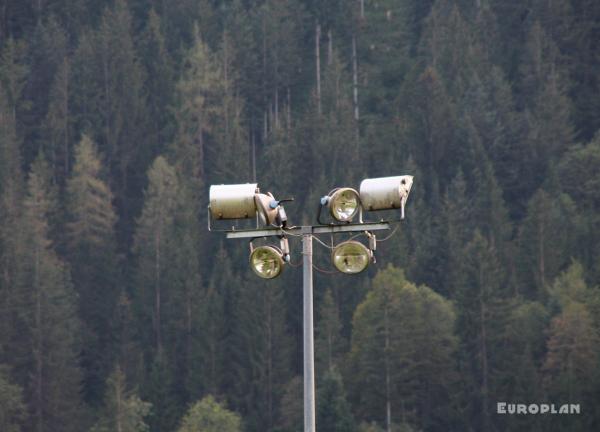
<point>318,229</point>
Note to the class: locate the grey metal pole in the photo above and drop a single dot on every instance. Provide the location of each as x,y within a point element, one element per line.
<point>309,349</point>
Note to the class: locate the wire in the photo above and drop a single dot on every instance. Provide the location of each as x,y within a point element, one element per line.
<point>324,271</point>
<point>323,243</point>
<point>294,265</point>
<point>389,236</point>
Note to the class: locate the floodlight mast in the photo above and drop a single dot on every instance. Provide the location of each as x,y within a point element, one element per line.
<point>307,233</point>
<point>238,201</point>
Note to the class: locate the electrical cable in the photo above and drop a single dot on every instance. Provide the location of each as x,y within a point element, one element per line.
<point>389,236</point>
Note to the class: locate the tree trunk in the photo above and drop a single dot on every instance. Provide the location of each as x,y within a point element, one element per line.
<point>157,298</point>
<point>119,404</point>
<point>355,88</point>
<point>39,395</point>
<point>388,405</point>
<point>329,47</point>
<point>484,359</point>
<point>318,63</point>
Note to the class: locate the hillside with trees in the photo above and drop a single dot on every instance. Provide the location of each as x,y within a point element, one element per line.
<point>120,311</point>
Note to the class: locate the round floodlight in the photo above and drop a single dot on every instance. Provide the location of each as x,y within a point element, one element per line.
<point>266,261</point>
<point>351,257</point>
<point>344,204</point>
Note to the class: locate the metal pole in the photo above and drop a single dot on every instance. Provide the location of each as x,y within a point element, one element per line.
<point>309,354</point>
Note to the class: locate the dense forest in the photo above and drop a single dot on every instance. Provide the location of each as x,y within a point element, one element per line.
<point>120,311</point>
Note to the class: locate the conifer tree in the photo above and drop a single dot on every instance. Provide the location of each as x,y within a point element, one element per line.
<point>153,248</point>
<point>570,366</point>
<point>208,415</point>
<point>158,86</point>
<point>333,410</point>
<point>91,252</point>
<point>197,90</point>
<point>481,308</point>
<point>328,335</point>
<point>546,241</point>
<point>261,363</point>
<point>159,295</point>
<point>401,355</point>
<point>522,356</point>
<point>12,408</point>
<point>47,355</point>
<point>57,127</point>
<point>123,410</point>
<point>13,75</point>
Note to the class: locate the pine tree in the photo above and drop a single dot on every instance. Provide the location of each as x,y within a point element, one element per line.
<point>91,252</point>
<point>208,415</point>
<point>13,75</point>
<point>481,311</point>
<point>57,127</point>
<point>12,408</point>
<point>197,90</point>
<point>262,347</point>
<point>333,410</point>
<point>570,366</point>
<point>158,86</point>
<point>46,357</point>
<point>546,241</point>
<point>152,246</point>
<point>401,356</point>
<point>158,293</point>
<point>123,410</point>
<point>523,348</point>
<point>328,342</point>
<point>578,176</point>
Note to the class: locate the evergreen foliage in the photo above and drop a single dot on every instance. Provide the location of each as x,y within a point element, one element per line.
<point>117,115</point>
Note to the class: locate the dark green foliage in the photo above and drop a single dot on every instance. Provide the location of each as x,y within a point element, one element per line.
<point>124,112</point>
<point>210,416</point>
<point>91,251</point>
<point>333,410</point>
<point>12,409</point>
<point>123,410</point>
<point>401,357</point>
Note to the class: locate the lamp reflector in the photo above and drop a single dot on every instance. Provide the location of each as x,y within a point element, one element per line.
<point>385,193</point>
<point>344,204</point>
<point>266,212</point>
<point>267,262</point>
<point>351,257</point>
<point>233,201</point>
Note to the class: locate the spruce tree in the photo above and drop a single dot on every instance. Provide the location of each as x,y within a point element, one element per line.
<point>481,312</point>
<point>333,410</point>
<point>123,410</point>
<point>12,408</point>
<point>208,415</point>
<point>46,357</point>
<point>400,360</point>
<point>92,255</point>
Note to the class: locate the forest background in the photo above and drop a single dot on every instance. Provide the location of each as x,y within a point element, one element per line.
<point>120,311</point>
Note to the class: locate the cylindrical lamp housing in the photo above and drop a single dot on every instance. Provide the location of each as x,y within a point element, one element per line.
<point>233,201</point>
<point>385,193</point>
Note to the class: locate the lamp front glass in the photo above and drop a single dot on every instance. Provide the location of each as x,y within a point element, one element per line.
<point>351,257</point>
<point>266,261</point>
<point>344,204</point>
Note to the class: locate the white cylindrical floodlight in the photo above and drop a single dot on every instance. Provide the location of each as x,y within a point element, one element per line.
<point>233,201</point>
<point>385,193</point>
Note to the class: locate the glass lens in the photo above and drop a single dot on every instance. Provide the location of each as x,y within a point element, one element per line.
<point>266,262</point>
<point>344,204</point>
<point>351,257</point>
